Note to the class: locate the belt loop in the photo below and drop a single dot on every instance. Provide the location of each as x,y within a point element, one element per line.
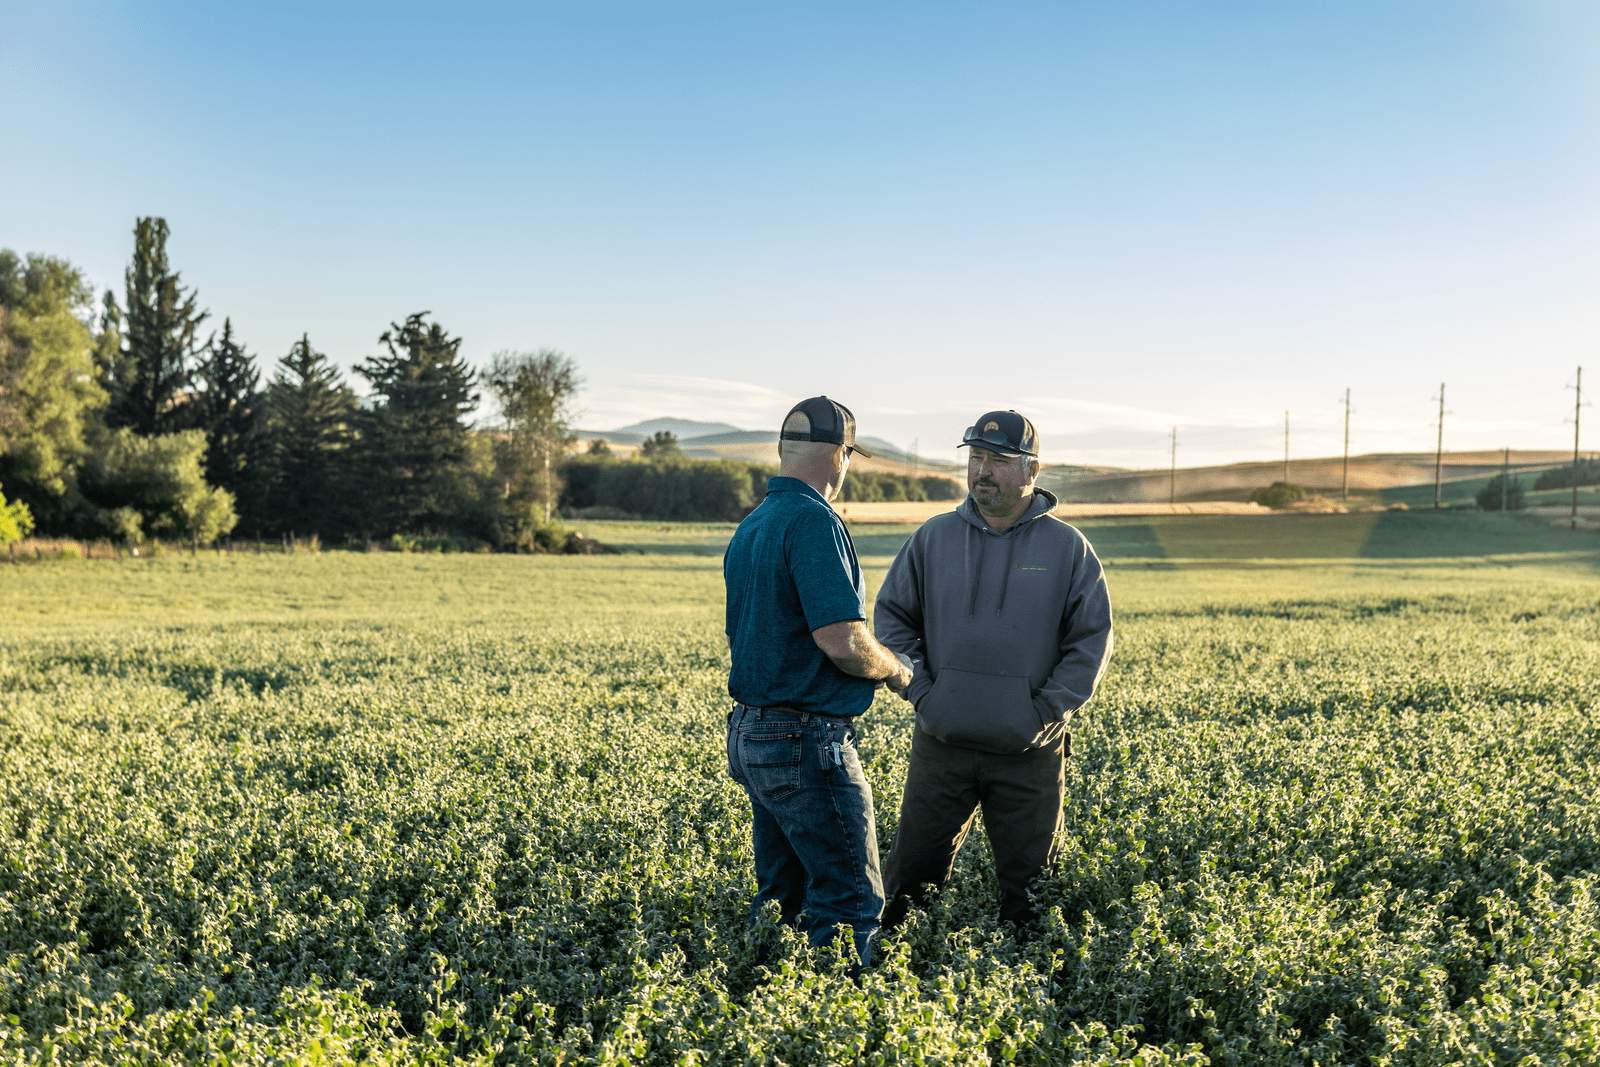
<point>761,713</point>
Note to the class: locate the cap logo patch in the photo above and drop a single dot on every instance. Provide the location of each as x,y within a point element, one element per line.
<point>990,425</point>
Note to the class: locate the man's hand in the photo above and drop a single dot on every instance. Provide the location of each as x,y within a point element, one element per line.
<point>899,682</point>
<point>853,649</point>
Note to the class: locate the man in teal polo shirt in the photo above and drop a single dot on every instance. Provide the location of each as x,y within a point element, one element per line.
<point>804,665</point>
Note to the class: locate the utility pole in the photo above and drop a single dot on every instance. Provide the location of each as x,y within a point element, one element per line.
<point>1172,480</point>
<point>1505,481</point>
<point>1286,448</point>
<point>916,464</point>
<point>1577,413</point>
<point>1344,484</point>
<point>1438,455</point>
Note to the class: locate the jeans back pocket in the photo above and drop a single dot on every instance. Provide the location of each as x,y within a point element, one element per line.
<point>771,760</point>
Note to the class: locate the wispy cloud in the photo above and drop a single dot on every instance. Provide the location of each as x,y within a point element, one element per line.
<point>644,396</point>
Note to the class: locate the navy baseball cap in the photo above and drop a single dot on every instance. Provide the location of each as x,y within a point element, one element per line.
<point>1005,432</point>
<point>824,420</point>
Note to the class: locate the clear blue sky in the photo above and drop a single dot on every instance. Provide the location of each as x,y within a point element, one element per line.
<point>1114,217</point>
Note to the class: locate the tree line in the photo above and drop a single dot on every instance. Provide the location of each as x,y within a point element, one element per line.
<point>138,418</point>
<point>663,484</point>
<point>129,420</point>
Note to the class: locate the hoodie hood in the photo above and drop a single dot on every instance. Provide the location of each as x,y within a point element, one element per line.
<point>977,536</point>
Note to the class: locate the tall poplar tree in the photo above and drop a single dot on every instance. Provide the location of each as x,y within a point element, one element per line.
<point>160,334</point>
<point>414,439</point>
<point>309,414</point>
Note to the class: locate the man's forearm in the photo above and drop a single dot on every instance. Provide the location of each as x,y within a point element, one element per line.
<point>867,658</point>
<point>852,648</point>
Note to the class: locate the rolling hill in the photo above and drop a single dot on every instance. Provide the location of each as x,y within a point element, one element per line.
<point>1379,475</point>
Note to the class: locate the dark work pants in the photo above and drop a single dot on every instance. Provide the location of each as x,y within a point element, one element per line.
<point>815,836</point>
<point>1020,797</point>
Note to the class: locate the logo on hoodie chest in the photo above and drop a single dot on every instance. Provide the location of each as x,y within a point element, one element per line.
<point>1031,568</point>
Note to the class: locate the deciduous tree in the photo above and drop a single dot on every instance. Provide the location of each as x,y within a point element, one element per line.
<point>534,391</point>
<point>48,392</point>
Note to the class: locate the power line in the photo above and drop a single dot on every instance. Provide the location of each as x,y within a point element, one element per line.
<point>1577,415</point>
<point>1285,448</point>
<point>1344,484</point>
<point>1438,455</point>
<point>1172,481</point>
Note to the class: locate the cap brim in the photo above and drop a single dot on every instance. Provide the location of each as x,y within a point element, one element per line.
<point>1003,450</point>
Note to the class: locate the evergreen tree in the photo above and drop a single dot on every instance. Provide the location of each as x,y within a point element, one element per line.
<point>228,410</point>
<point>160,339</point>
<point>309,413</point>
<point>110,362</point>
<point>414,439</point>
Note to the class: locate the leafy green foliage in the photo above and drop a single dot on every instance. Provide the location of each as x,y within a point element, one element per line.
<point>16,521</point>
<point>1501,492</point>
<point>152,487</point>
<point>884,485</point>
<point>1584,472</point>
<point>378,808</point>
<point>698,490</point>
<point>670,487</point>
<point>534,391</point>
<point>1277,495</point>
<point>660,445</point>
<point>48,394</point>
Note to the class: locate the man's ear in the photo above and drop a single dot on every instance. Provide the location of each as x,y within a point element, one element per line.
<point>1033,470</point>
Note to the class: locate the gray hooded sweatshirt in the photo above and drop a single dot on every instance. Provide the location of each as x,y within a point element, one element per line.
<point>1008,631</point>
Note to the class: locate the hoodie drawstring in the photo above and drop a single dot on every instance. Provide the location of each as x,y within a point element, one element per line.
<point>973,573</point>
<point>1005,575</point>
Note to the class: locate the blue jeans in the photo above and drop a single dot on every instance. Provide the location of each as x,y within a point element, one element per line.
<point>816,842</point>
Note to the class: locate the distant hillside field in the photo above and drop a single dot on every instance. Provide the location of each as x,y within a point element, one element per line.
<point>1369,474</point>
<point>876,512</point>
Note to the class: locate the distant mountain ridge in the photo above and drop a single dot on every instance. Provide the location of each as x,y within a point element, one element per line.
<point>683,429</point>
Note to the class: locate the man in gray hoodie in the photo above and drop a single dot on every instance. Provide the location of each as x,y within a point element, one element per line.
<point>1003,611</point>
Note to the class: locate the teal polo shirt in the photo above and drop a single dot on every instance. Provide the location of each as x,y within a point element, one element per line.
<point>791,568</point>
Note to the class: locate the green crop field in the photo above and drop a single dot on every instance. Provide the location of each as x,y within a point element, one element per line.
<point>1337,801</point>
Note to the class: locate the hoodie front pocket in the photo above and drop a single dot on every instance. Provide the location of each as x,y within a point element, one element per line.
<point>988,711</point>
